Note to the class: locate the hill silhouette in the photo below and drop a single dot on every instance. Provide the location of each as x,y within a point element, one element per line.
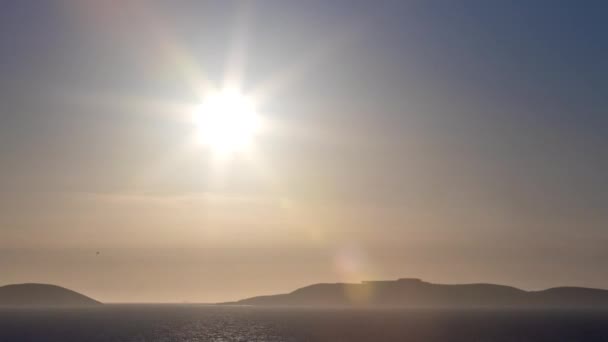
<point>416,293</point>
<point>42,295</point>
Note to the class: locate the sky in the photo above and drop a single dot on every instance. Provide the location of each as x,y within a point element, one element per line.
<point>453,141</point>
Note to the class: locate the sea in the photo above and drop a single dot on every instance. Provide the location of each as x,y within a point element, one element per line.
<point>189,322</point>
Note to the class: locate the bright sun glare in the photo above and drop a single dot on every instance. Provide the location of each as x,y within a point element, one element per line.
<point>227,122</point>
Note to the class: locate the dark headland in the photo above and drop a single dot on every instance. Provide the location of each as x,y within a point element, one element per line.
<point>415,293</point>
<point>42,295</point>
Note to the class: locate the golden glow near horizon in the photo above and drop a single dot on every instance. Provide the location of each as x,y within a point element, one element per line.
<point>227,122</point>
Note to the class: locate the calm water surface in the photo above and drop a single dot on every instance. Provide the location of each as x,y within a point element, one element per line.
<point>214,323</point>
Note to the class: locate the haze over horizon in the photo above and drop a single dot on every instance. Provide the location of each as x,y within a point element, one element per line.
<point>453,142</point>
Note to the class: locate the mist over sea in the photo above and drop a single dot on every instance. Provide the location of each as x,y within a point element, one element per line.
<point>226,323</point>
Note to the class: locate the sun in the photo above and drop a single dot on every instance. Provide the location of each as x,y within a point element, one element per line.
<point>227,122</point>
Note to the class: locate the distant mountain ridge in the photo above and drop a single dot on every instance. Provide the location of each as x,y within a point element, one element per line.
<point>415,293</point>
<point>32,294</point>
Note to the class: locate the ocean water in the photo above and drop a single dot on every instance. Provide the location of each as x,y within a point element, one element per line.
<point>216,323</point>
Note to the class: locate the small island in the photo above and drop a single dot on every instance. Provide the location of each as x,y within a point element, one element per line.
<point>42,295</point>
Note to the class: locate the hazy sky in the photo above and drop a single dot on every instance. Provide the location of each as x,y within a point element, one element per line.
<point>455,141</point>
